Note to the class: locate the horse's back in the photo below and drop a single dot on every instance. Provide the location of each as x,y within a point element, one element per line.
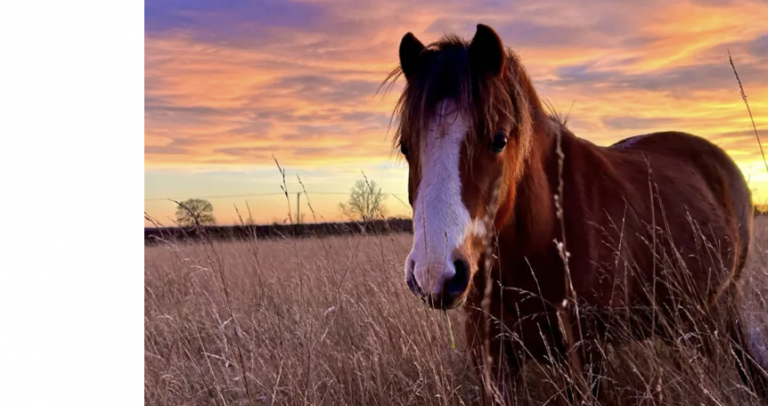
<point>699,188</point>
<point>677,151</point>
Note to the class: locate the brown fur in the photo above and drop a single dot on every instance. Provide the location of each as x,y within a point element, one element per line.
<point>685,188</point>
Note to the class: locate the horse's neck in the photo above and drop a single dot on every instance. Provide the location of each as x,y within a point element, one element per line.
<point>526,237</point>
<point>533,220</point>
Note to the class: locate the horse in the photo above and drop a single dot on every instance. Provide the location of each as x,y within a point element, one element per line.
<point>547,240</point>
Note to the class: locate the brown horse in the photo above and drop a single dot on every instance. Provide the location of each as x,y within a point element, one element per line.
<point>650,232</point>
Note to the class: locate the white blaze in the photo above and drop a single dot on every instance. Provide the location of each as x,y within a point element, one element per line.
<point>440,219</point>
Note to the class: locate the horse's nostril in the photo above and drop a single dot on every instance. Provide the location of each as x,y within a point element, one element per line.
<point>458,284</point>
<point>413,285</point>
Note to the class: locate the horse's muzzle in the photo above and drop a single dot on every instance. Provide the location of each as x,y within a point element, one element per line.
<point>453,290</point>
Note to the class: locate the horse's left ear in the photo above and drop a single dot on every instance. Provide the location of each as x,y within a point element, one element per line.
<point>410,49</point>
<point>486,52</point>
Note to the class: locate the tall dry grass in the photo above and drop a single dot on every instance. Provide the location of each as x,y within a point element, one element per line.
<point>331,322</point>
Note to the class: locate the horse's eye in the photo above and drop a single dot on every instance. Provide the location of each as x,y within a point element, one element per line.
<point>403,149</point>
<point>499,141</point>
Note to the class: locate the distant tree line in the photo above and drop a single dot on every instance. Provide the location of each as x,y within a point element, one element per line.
<point>365,203</point>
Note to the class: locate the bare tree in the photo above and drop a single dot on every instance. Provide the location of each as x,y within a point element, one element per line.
<point>192,212</point>
<point>365,203</point>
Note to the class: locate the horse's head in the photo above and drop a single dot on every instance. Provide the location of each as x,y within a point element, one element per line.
<point>465,130</point>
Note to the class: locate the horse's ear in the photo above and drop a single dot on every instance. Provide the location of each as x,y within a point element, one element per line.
<point>486,52</point>
<point>410,48</point>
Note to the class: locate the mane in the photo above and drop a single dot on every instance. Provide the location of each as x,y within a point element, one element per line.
<point>556,116</point>
<point>445,74</point>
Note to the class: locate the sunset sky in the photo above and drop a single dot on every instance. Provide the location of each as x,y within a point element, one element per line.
<point>229,84</point>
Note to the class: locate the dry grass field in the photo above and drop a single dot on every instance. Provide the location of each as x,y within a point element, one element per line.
<point>329,321</point>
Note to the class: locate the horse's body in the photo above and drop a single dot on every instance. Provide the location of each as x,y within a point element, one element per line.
<point>656,228</point>
<point>681,185</point>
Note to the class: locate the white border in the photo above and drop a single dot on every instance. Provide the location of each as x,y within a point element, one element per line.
<point>71,164</point>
